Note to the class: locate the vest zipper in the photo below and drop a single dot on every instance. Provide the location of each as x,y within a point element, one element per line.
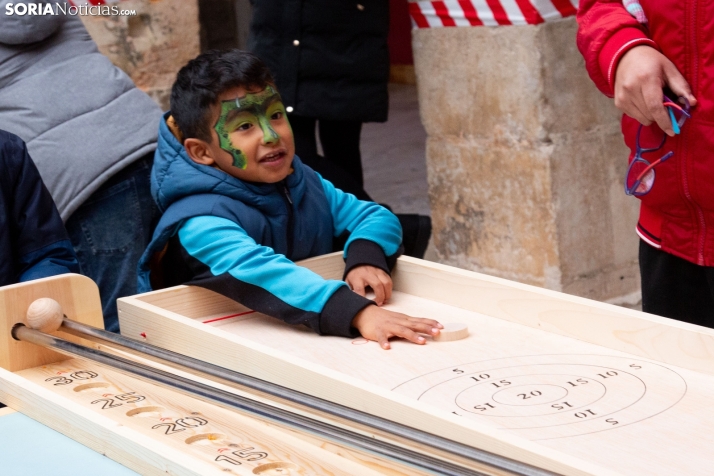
<point>285,192</point>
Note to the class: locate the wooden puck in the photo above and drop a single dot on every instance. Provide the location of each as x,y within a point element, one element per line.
<point>452,331</point>
<point>44,315</point>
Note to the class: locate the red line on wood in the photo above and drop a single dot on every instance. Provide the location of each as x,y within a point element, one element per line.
<point>228,317</point>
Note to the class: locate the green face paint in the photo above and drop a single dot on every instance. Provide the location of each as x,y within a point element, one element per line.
<point>253,109</point>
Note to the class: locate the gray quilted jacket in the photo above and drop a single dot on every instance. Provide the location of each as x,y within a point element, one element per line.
<point>82,118</point>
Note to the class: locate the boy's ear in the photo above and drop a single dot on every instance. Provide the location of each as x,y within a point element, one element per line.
<point>199,151</point>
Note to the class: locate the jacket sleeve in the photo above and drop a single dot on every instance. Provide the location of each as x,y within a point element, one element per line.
<point>225,259</point>
<point>606,31</point>
<point>42,246</point>
<point>375,233</point>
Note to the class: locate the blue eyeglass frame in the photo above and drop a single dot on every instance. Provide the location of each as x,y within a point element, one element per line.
<point>638,161</point>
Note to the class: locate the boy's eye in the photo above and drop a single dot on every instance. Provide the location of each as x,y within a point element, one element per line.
<point>244,126</point>
<point>277,115</point>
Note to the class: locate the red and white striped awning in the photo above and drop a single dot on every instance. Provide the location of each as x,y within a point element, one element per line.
<point>489,12</point>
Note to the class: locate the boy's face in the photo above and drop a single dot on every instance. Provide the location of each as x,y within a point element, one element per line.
<point>251,137</point>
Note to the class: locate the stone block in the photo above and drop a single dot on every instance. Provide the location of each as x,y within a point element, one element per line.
<point>525,160</point>
<point>491,208</point>
<point>152,45</point>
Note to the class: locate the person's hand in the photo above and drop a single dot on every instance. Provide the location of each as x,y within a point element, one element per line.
<point>377,324</point>
<point>641,74</point>
<point>360,277</point>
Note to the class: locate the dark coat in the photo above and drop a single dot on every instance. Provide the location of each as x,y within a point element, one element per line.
<point>33,241</point>
<point>339,68</point>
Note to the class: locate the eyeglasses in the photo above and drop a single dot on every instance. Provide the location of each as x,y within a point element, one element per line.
<point>640,175</point>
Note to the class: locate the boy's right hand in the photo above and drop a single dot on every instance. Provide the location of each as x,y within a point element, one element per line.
<point>377,324</point>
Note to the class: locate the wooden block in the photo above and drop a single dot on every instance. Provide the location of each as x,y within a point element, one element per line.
<point>452,331</point>
<point>77,295</point>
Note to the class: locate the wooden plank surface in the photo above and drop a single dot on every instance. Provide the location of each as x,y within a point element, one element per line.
<point>279,365</point>
<point>637,333</point>
<point>587,409</point>
<point>381,465</point>
<point>646,335</point>
<point>154,430</point>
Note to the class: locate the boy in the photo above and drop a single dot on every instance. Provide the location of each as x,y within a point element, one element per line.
<point>33,241</point>
<point>239,207</point>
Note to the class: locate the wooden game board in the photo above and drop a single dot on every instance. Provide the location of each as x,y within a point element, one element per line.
<point>560,382</point>
<point>151,429</point>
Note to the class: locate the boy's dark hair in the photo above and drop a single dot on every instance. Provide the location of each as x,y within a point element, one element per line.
<point>204,78</point>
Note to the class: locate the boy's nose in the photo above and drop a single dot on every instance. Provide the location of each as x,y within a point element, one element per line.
<point>270,136</point>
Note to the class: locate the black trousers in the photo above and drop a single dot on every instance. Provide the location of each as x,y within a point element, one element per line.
<point>339,139</point>
<point>675,288</point>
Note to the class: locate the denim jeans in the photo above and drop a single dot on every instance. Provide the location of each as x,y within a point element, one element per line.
<point>110,231</point>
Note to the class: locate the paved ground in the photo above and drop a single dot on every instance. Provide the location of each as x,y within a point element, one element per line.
<point>393,155</point>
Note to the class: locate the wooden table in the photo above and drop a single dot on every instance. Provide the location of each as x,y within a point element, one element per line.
<point>151,429</point>
<point>562,383</point>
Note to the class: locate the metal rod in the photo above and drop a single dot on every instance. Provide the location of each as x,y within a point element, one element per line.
<point>237,402</point>
<point>316,403</point>
<point>300,398</point>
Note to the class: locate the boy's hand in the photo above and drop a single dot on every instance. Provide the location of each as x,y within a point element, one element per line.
<point>362,276</point>
<point>641,74</point>
<point>378,324</point>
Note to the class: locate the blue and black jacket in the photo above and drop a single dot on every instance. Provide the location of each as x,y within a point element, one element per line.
<point>240,238</point>
<point>33,240</point>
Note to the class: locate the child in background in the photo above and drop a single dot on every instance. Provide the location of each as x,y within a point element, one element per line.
<point>239,208</point>
<point>33,241</point>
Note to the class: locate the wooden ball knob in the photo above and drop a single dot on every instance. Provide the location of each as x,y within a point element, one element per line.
<point>44,315</point>
<point>453,331</point>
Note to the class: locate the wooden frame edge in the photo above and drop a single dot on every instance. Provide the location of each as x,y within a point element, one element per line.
<point>99,433</point>
<point>175,332</point>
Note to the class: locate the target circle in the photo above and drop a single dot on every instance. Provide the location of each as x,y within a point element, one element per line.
<point>521,395</point>
<point>552,396</point>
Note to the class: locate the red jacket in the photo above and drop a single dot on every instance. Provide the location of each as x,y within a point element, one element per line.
<point>678,213</point>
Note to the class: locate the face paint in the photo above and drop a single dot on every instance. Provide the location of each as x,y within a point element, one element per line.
<point>254,109</point>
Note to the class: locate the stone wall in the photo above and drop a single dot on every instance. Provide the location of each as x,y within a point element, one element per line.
<point>152,45</point>
<point>525,160</point>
